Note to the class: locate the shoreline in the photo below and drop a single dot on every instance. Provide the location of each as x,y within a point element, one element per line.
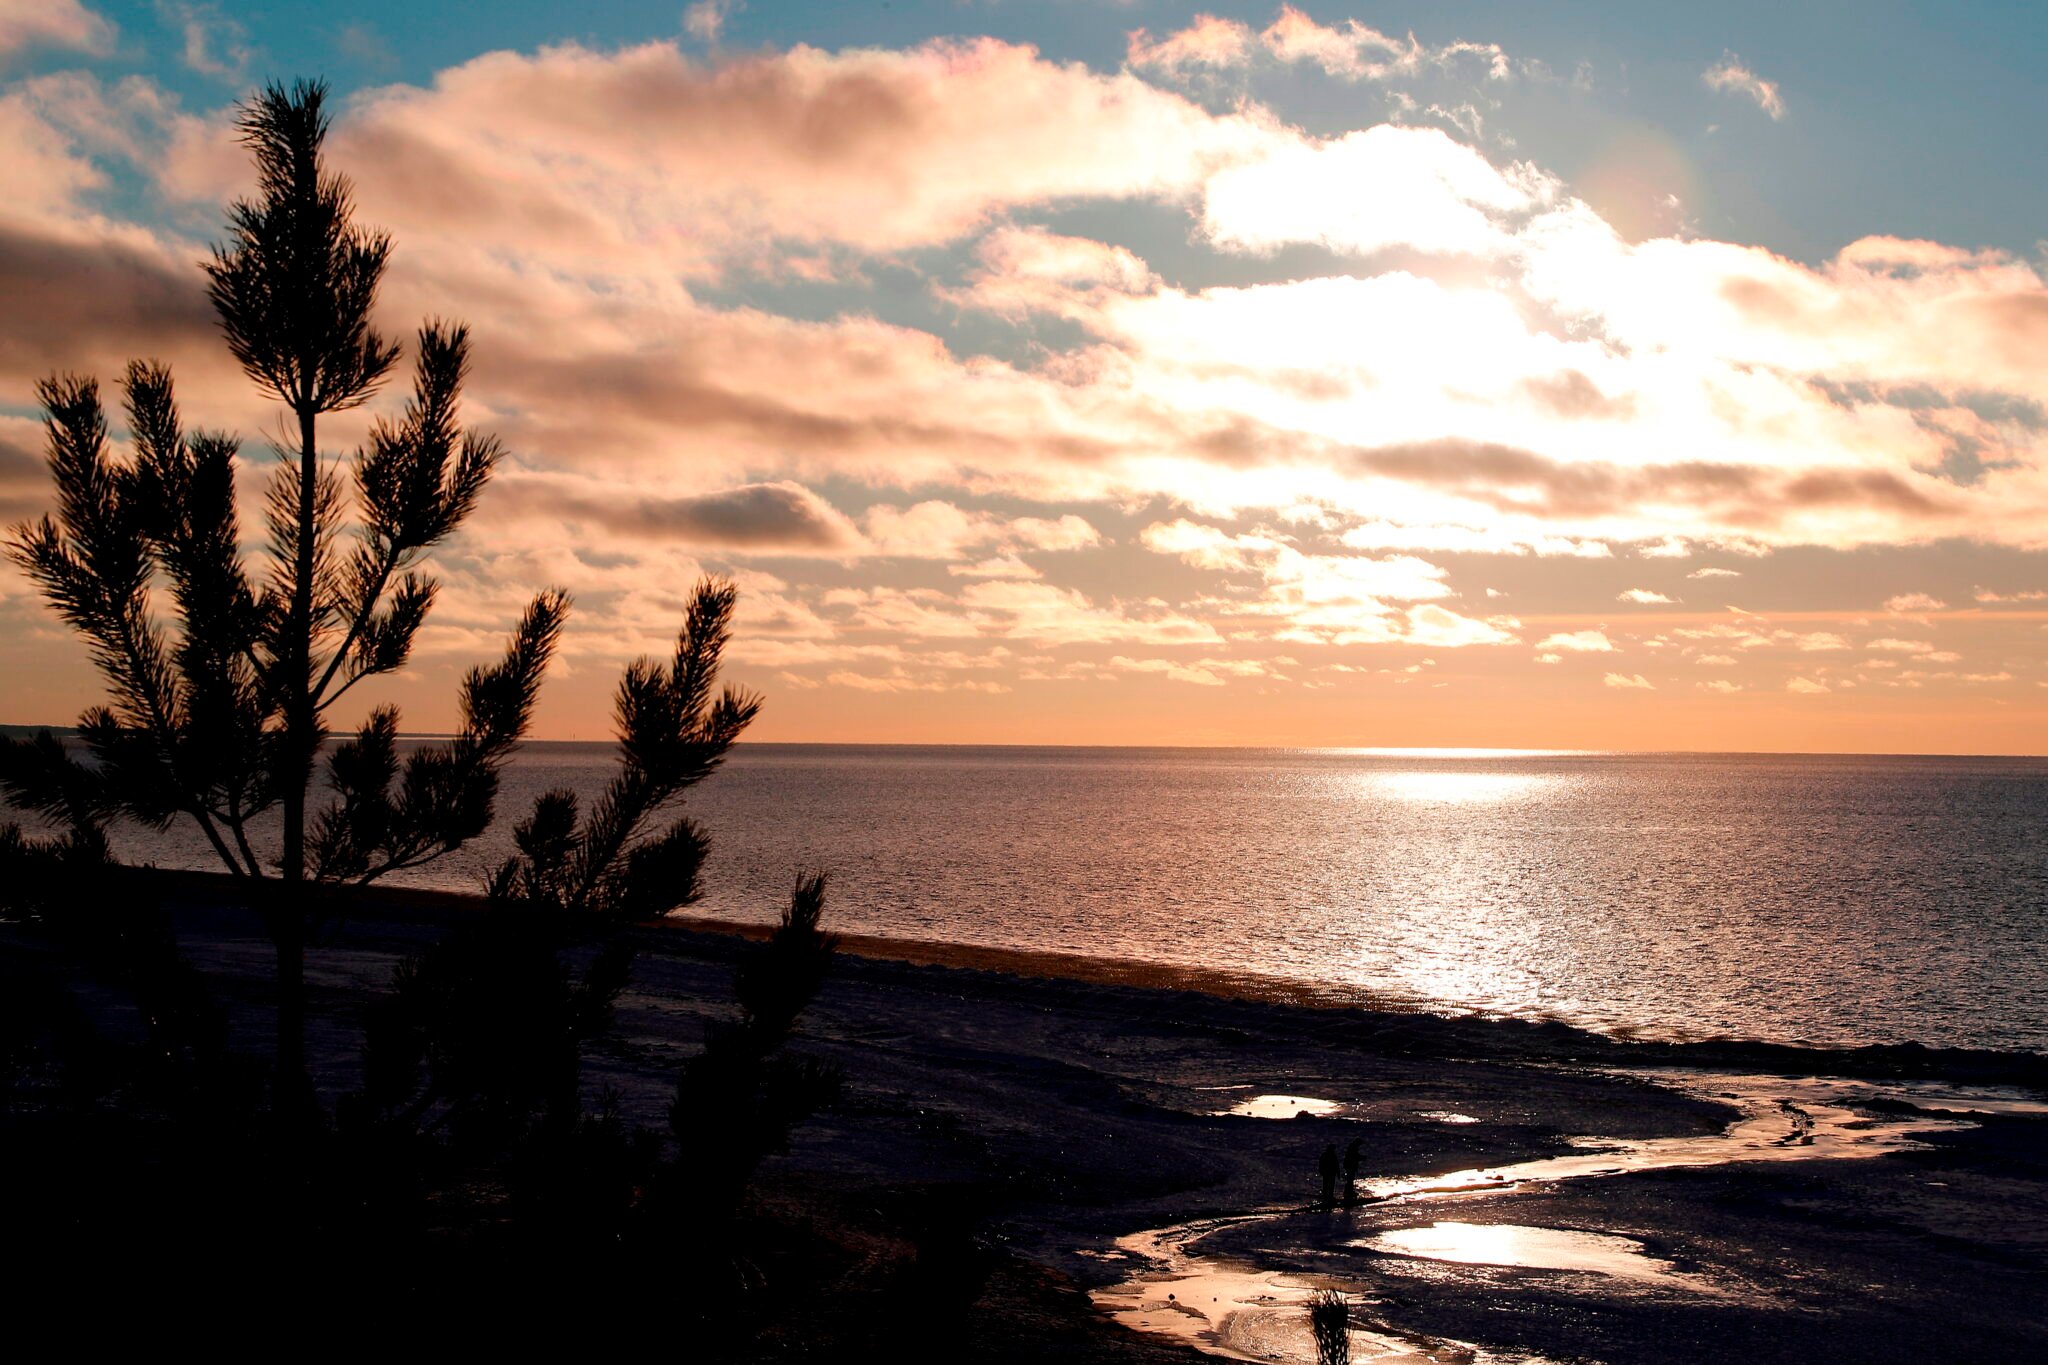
<point>1508,1035</point>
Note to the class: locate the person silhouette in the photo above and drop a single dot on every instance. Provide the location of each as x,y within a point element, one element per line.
<point>1353,1156</point>
<point>1328,1166</point>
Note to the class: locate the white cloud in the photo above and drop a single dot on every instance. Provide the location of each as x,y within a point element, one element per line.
<point>1330,599</point>
<point>1630,681</point>
<point>1367,191</point>
<point>1807,687</point>
<point>1439,628</point>
<point>704,20</point>
<point>1579,642</point>
<point>998,566</point>
<point>936,529</point>
<point>213,44</point>
<point>53,23</point>
<point>1209,547</point>
<point>1201,672</point>
<point>1055,615</point>
<point>1026,270</point>
<point>1387,535</point>
<point>1208,43</point>
<point>1811,642</point>
<point>1667,547</point>
<point>1645,597</point>
<point>1430,414</point>
<point>901,681</point>
<point>1730,76</point>
<point>1350,50</point>
<point>644,157</point>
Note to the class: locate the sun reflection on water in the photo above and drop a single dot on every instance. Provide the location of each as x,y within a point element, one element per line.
<point>1452,787</point>
<point>1421,754</point>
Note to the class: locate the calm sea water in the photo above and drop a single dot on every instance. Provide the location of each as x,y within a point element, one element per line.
<point>1807,899</point>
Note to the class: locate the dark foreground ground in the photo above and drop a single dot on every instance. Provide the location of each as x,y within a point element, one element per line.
<point>1000,1131</point>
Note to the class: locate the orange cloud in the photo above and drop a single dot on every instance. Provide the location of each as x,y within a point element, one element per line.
<point>53,23</point>
<point>601,160</point>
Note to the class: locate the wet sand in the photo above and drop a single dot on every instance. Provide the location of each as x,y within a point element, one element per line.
<point>1238,1286</point>
<point>1080,1131</point>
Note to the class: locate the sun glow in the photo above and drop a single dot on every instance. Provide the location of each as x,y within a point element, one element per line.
<point>1423,752</point>
<point>1455,788</point>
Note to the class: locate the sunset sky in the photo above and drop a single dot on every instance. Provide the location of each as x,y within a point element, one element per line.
<point>1598,376</point>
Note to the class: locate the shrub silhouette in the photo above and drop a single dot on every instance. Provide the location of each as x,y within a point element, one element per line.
<point>1329,1322</point>
<point>738,1099</point>
<point>473,1063</point>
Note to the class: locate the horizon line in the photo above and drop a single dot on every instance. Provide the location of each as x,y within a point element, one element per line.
<point>1442,751</point>
<point>1446,751</point>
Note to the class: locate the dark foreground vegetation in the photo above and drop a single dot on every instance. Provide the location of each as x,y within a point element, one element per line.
<point>472,1163</point>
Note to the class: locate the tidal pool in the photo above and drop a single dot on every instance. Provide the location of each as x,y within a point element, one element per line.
<point>1533,1248</point>
<point>1282,1107</point>
<point>1246,1312</point>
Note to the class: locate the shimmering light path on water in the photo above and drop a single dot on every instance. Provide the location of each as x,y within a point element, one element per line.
<point>1816,899</point>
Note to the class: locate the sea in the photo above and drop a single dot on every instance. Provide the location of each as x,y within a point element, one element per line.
<point>1823,900</point>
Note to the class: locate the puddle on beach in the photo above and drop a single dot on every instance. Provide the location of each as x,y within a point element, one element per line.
<point>1281,1107</point>
<point>1781,1119</point>
<point>1292,1106</point>
<point>1530,1248</point>
<point>1245,1312</point>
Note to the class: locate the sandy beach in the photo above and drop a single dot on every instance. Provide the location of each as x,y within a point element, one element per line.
<point>1039,1166</point>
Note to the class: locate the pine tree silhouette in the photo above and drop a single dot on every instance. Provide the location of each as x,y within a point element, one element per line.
<point>221,717</point>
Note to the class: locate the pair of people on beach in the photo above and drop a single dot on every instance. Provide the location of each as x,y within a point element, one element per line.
<point>1329,1166</point>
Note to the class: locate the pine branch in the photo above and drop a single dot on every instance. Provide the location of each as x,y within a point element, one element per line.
<point>671,737</point>
<point>416,482</point>
<point>444,793</point>
<point>294,286</point>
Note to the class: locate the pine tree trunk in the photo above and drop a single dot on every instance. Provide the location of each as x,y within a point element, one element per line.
<point>293,1098</point>
<point>294,1085</point>
<point>288,934</point>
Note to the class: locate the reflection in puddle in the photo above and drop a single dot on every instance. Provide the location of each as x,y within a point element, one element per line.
<point>1282,1107</point>
<point>1243,1313</point>
<point>1783,1119</point>
<point>1511,1244</point>
<point>1249,1313</point>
